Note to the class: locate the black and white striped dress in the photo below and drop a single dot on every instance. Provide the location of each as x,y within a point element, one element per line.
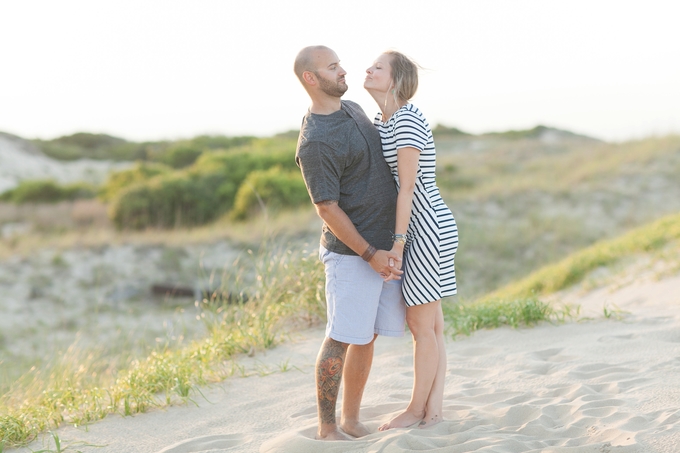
<point>432,236</point>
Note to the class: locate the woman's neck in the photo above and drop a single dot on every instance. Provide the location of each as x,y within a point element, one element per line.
<point>390,108</point>
<point>388,105</point>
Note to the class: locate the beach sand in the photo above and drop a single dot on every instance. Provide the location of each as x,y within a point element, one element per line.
<point>596,385</point>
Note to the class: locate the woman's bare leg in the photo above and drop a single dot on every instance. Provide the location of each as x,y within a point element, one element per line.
<point>435,402</point>
<point>421,321</point>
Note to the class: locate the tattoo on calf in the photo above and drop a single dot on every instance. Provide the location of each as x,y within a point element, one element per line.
<point>328,376</point>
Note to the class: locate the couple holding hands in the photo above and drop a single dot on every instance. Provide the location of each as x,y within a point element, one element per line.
<point>388,239</point>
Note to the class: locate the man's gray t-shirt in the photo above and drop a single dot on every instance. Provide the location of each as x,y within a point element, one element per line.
<point>341,159</point>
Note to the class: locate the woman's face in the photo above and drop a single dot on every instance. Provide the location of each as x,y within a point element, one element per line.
<point>379,75</point>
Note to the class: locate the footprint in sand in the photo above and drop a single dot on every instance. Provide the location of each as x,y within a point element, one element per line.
<point>551,355</point>
<point>207,444</point>
<point>598,370</point>
<point>615,338</point>
<point>311,410</point>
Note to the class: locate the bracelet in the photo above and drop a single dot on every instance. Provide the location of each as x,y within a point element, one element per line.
<point>399,238</point>
<point>368,254</point>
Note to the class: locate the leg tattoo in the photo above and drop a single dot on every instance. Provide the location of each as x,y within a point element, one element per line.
<point>328,376</point>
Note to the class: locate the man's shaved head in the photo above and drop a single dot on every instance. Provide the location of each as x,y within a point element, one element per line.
<point>305,60</point>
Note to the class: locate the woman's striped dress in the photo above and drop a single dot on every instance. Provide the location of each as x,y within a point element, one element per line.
<point>432,236</point>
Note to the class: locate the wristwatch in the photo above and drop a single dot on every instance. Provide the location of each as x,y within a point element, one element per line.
<point>399,238</point>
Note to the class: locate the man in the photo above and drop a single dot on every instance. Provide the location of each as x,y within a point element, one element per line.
<point>340,156</point>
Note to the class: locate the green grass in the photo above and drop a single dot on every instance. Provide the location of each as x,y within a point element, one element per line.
<point>463,319</point>
<point>574,268</point>
<point>517,183</point>
<point>284,294</point>
<point>78,388</point>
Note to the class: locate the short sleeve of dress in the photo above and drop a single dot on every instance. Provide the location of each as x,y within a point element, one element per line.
<point>410,130</point>
<point>321,171</point>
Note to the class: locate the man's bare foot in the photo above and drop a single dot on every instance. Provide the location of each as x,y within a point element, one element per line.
<point>430,421</point>
<point>356,429</point>
<point>403,420</point>
<point>332,435</point>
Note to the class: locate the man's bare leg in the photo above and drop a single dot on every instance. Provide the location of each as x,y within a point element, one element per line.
<point>329,366</point>
<point>357,368</point>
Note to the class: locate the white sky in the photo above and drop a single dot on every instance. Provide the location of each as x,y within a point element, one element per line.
<point>147,70</point>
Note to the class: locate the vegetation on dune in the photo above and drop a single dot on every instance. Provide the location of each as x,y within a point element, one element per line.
<point>572,269</point>
<point>209,188</point>
<point>80,387</point>
<point>245,315</point>
<point>523,204</point>
<point>280,189</point>
<point>520,204</point>
<point>106,147</point>
<point>463,319</point>
<point>47,191</point>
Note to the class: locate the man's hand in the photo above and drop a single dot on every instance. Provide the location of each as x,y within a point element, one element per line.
<point>387,264</point>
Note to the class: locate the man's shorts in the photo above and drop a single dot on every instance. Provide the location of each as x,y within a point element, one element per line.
<point>359,303</point>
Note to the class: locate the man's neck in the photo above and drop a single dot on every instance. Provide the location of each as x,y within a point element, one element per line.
<point>325,106</point>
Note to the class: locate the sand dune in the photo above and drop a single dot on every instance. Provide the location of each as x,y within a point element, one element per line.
<point>599,385</point>
<point>21,160</point>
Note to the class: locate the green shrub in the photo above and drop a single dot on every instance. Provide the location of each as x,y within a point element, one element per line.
<point>237,165</point>
<point>47,191</point>
<point>181,155</point>
<point>197,194</point>
<point>168,200</point>
<point>275,188</point>
<point>117,181</point>
<point>80,145</point>
<point>214,142</point>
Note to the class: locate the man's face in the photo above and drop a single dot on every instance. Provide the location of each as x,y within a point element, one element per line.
<point>330,74</point>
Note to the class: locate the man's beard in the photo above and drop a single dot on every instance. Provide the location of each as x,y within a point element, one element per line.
<point>331,88</point>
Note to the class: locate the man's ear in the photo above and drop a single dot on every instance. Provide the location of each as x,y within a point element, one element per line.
<point>309,78</point>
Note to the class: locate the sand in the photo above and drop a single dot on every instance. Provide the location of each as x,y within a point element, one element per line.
<point>597,385</point>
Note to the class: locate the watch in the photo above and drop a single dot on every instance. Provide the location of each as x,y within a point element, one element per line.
<point>399,238</point>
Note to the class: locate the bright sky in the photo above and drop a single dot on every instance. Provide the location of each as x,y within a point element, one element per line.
<point>155,69</point>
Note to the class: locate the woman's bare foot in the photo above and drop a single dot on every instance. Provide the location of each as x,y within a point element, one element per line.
<point>430,421</point>
<point>332,435</point>
<point>403,420</point>
<point>356,429</point>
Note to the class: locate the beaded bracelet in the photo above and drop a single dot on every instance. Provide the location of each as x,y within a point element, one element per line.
<point>368,254</point>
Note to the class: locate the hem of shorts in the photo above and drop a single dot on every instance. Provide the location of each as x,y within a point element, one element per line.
<point>390,333</point>
<point>349,340</point>
<point>361,342</point>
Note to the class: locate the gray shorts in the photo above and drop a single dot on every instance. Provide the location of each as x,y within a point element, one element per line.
<point>359,303</point>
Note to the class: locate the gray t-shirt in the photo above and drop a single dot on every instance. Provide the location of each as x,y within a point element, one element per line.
<point>341,159</point>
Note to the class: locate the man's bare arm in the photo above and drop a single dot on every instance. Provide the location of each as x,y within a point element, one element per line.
<point>343,228</point>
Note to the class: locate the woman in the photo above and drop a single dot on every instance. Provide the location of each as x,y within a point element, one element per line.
<point>425,232</point>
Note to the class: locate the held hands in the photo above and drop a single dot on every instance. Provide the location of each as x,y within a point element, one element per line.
<point>387,264</point>
<point>396,263</point>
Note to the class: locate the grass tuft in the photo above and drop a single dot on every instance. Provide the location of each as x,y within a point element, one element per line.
<point>285,295</point>
<point>574,268</point>
<point>463,319</point>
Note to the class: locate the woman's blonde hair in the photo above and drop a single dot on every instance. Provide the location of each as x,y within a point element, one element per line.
<point>404,75</point>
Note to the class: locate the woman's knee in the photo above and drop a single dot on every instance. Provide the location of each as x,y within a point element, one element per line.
<point>420,320</point>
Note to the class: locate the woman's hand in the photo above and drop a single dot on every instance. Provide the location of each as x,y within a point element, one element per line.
<point>395,262</point>
<point>398,249</point>
<point>386,264</point>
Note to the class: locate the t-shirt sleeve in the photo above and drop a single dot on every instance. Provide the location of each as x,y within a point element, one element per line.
<point>321,171</point>
<point>410,131</point>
